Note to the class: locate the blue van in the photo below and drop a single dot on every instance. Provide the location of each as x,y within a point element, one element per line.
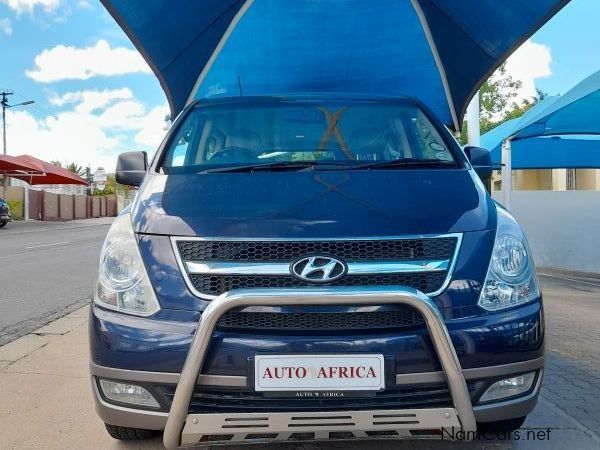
<point>313,268</point>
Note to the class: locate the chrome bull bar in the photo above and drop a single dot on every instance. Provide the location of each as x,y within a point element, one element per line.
<point>183,428</point>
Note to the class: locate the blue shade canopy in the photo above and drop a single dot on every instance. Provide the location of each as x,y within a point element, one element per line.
<point>571,120</point>
<point>437,51</point>
<point>496,135</point>
<point>556,152</point>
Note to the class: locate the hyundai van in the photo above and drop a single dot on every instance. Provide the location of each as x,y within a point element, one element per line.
<point>306,268</point>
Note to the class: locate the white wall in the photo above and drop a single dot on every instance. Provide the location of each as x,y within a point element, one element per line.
<point>563,228</point>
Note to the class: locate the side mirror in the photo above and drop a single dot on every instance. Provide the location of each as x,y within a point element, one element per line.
<point>131,168</point>
<point>481,160</point>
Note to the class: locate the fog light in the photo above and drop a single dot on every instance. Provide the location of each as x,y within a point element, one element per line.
<point>509,387</point>
<point>128,393</point>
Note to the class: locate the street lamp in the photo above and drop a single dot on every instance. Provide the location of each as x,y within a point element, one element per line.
<point>28,102</point>
<point>5,106</point>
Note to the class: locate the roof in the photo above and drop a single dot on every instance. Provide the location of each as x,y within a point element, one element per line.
<point>15,166</point>
<point>436,51</point>
<point>572,119</point>
<point>51,174</point>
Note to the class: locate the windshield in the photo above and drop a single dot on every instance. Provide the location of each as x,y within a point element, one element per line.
<point>233,134</point>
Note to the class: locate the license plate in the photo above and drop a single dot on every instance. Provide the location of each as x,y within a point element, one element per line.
<point>284,373</point>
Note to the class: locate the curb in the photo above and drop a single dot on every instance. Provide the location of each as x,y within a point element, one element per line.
<point>577,275</point>
<point>37,339</point>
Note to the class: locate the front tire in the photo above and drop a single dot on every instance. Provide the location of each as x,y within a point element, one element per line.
<point>129,434</point>
<point>3,224</point>
<point>502,426</point>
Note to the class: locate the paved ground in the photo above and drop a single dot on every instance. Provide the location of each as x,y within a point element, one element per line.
<point>45,399</point>
<point>572,379</point>
<point>46,270</point>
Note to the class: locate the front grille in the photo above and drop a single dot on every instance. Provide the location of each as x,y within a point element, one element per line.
<point>218,284</point>
<point>286,251</point>
<point>206,400</point>
<point>401,317</point>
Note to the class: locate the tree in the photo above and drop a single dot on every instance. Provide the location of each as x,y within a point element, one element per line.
<point>495,96</point>
<point>76,169</point>
<point>497,102</point>
<point>56,163</point>
<point>112,187</point>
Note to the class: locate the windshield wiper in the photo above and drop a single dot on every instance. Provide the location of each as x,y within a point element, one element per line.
<point>403,162</point>
<point>339,165</point>
<point>275,166</point>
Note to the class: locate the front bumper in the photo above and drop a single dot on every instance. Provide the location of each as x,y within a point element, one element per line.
<point>156,420</point>
<point>204,428</point>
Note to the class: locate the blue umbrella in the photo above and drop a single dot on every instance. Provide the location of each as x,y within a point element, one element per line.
<point>437,51</point>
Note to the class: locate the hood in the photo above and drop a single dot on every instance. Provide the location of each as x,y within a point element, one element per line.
<point>323,204</point>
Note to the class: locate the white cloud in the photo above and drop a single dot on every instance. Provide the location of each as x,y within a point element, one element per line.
<point>28,6</point>
<point>126,115</point>
<point>527,63</point>
<point>6,26</point>
<point>97,127</point>
<point>68,137</point>
<point>152,127</point>
<point>84,4</point>
<point>71,63</point>
<point>90,100</point>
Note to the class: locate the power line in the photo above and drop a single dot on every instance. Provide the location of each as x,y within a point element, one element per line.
<point>39,108</point>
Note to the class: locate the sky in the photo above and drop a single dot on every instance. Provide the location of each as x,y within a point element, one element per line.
<point>96,97</point>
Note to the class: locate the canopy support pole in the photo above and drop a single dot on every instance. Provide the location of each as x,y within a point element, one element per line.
<point>473,130</point>
<point>507,181</point>
<point>438,63</point>
<point>26,203</point>
<point>245,7</point>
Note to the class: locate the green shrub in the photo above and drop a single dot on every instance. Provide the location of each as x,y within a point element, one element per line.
<point>16,209</point>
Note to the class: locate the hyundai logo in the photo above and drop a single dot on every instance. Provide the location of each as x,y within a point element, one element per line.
<point>318,269</point>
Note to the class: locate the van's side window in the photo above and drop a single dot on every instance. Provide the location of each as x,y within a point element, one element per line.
<point>184,143</point>
<point>429,140</point>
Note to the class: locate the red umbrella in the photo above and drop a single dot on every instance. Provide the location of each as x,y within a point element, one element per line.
<point>51,174</point>
<point>14,166</point>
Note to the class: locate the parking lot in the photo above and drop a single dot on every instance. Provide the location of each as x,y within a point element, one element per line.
<point>44,384</point>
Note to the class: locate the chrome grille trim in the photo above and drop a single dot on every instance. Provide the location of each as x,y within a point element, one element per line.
<point>358,268</point>
<point>354,268</point>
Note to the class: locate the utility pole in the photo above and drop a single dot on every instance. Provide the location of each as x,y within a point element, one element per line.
<point>5,106</point>
<point>4,102</point>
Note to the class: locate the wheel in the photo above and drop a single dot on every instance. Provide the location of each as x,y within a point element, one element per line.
<point>2,224</point>
<point>503,426</point>
<point>129,434</point>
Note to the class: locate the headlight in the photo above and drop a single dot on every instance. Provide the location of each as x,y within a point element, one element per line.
<point>511,279</point>
<point>123,283</point>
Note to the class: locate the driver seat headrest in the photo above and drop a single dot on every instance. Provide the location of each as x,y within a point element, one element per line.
<point>245,139</point>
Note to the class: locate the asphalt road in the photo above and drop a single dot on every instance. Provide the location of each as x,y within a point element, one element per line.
<point>46,271</point>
